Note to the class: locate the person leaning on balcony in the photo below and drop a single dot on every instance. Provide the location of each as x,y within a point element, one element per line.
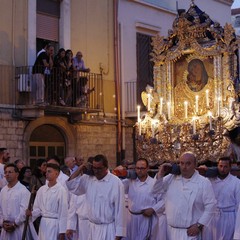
<point>80,78</point>
<point>78,63</point>
<point>41,67</point>
<point>60,76</point>
<point>44,47</point>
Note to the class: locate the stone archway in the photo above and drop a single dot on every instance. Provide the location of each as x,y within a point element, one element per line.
<point>60,124</point>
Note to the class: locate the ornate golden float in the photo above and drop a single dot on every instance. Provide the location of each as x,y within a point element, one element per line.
<point>194,101</point>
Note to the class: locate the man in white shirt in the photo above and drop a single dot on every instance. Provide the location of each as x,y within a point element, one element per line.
<point>14,199</point>
<point>104,199</point>
<point>189,199</point>
<point>143,206</point>
<point>70,162</point>
<point>226,188</point>
<point>78,63</point>
<point>4,158</point>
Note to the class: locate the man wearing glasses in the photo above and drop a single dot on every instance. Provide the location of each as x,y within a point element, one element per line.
<point>143,206</point>
<point>104,199</point>
<point>14,198</point>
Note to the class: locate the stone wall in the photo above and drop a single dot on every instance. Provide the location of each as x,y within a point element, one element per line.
<point>11,134</point>
<point>81,139</point>
<point>97,139</point>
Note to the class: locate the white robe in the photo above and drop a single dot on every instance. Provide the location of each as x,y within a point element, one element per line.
<point>51,204</point>
<point>237,226</point>
<point>78,216</point>
<point>139,198</point>
<point>13,204</point>
<point>62,178</point>
<point>3,181</point>
<point>227,193</point>
<point>105,205</point>
<point>188,201</point>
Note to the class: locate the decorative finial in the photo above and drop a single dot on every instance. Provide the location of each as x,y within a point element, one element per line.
<point>192,3</point>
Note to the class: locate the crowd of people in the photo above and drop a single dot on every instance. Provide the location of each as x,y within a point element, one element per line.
<point>61,79</point>
<point>89,202</point>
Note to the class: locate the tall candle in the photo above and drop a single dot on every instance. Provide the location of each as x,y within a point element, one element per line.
<point>231,100</point>
<point>196,103</point>
<point>210,120</point>
<point>138,113</point>
<point>194,125</point>
<point>207,98</point>
<point>186,109</point>
<point>161,106</point>
<point>140,128</point>
<point>149,101</point>
<point>169,110</point>
<point>218,106</point>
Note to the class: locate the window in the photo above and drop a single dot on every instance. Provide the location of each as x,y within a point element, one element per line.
<point>48,14</point>
<point>46,141</point>
<point>144,64</point>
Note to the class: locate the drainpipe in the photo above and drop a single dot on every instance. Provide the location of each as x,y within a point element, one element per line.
<point>117,82</point>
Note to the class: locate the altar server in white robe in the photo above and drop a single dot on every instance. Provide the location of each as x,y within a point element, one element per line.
<point>143,206</point>
<point>14,199</point>
<point>226,188</point>
<point>104,199</point>
<point>51,204</point>
<point>78,223</point>
<point>189,202</point>
<point>237,226</point>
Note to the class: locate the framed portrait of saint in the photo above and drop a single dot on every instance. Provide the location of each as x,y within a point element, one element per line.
<point>193,76</point>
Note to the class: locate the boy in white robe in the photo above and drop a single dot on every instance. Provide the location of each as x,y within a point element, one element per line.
<point>78,223</point>
<point>51,204</point>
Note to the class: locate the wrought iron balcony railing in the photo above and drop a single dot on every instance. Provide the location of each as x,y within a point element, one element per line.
<point>72,89</point>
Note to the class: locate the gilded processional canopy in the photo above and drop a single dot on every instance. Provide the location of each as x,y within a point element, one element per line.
<point>195,95</point>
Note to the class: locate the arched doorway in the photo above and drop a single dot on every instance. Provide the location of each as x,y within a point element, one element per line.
<point>45,141</point>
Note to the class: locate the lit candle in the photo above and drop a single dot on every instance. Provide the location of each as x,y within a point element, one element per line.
<point>196,103</point>
<point>153,130</point>
<point>140,128</point>
<point>207,98</point>
<point>186,109</point>
<point>194,125</point>
<point>161,105</point>
<point>149,101</point>
<point>138,113</point>
<point>169,110</point>
<point>210,120</point>
<point>231,100</point>
<point>218,106</point>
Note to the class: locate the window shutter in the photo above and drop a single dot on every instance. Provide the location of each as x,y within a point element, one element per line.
<point>47,27</point>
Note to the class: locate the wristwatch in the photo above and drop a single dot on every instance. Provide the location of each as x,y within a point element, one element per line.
<point>200,226</point>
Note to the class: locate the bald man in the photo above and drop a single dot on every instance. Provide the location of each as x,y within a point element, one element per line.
<point>70,162</point>
<point>189,199</point>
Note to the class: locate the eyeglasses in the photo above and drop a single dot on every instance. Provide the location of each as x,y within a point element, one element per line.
<point>140,168</point>
<point>8,172</point>
<point>98,168</point>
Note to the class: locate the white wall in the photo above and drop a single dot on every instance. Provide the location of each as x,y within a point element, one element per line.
<point>151,20</point>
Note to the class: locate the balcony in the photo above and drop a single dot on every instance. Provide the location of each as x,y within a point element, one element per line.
<point>130,100</point>
<point>72,93</point>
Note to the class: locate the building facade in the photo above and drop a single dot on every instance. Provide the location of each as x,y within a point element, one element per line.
<point>115,39</point>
